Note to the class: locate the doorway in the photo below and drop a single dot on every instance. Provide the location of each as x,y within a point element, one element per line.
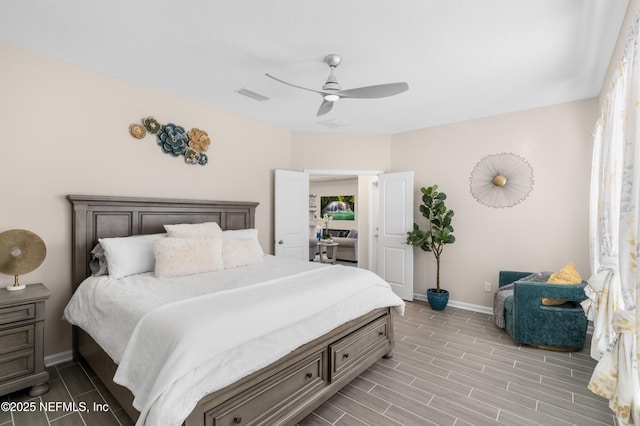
<point>337,197</point>
<point>394,258</point>
<point>353,233</point>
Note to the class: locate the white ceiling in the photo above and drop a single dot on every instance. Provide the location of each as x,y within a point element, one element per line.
<point>462,59</point>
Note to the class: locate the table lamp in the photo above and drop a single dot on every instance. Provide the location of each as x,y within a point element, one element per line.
<point>21,252</point>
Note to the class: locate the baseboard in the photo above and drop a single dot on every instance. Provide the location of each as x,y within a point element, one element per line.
<point>58,358</point>
<point>453,303</point>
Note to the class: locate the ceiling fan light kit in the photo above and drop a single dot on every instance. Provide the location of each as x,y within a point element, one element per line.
<point>332,91</point>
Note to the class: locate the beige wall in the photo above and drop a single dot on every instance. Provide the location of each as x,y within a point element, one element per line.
<point>340,151</point>
<point>65,131</point>
<point>544,232</point>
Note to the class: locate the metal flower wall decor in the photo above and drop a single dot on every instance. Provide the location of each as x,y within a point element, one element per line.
<point>501,180</point>
<point>174,140</point>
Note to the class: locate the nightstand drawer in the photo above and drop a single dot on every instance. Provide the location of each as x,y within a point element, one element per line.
<point>17,313</point>
<point>15,339</point>
<point>16,364</point>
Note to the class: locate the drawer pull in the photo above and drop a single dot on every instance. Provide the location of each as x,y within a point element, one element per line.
<point>381,333</point>
<point>345,356</point>
<point>309,375</point>
<point>237,420</point>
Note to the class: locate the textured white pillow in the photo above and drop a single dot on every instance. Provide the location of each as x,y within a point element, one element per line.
<point>238,252</point>
<point>194,230</point>
<point>176,257</point>
<point>130,255</point>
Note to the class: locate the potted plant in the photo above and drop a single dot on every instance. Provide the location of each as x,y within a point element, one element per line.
<point>326,220</point>
<point>438,233</point>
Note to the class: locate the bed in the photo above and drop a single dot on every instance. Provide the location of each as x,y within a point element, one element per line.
<point>290,385</point>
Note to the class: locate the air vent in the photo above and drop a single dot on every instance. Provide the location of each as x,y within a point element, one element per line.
<point>333,123</point>
<point>251,94</point>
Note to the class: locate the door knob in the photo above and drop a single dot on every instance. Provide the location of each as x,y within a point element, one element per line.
<point>280,242</point>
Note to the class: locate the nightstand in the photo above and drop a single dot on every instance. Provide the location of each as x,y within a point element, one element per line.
<point>22,340</point>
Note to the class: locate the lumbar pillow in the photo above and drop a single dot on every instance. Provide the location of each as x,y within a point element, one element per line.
<point>238,252</point>
<point>176,257</point>
<point>567,275</point>
<point>130,255</point>
<point>194,230</point>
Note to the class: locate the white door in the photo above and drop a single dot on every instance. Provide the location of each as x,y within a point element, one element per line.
<point>395,219</point>
<point>291,212</point>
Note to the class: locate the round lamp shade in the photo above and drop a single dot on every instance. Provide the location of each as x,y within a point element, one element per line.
<point>21,252</point>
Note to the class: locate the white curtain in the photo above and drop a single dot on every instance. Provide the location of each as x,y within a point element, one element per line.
<point>614,220</point>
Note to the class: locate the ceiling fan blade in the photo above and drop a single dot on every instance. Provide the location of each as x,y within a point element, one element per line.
<point>325,107</point>
<point>293,85</point>
<point>377,91</point>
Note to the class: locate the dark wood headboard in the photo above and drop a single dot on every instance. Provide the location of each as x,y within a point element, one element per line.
<point>97,217</point>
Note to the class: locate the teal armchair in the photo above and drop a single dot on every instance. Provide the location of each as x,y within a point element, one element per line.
<point>529,322</point>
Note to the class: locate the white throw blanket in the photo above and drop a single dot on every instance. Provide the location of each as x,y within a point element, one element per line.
<point>499,298</point>
<point>181,351</point>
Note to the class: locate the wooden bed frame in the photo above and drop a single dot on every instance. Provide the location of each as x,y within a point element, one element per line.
<point>281,393</point>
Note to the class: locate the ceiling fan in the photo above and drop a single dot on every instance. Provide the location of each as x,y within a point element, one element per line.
<point>332,91</point>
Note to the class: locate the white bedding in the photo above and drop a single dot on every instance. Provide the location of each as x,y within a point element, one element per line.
<point>254,316</point>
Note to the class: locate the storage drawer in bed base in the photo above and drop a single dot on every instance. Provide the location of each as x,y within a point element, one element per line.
<point>361,337</point>
<point>261,404</point>
<point>356,347</point>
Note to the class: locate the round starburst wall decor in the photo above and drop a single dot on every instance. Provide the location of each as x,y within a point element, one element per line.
<point>501,180</point>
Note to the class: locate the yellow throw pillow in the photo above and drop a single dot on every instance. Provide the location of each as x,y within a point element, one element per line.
<point>567,275</point>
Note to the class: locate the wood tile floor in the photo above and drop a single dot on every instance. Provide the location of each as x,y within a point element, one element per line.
<point>450,368</point>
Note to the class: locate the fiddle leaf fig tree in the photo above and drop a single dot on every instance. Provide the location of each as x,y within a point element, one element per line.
<point>439,231</point>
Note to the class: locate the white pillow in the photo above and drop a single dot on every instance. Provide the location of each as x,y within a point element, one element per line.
<point>243,234</point>
<point>130,255</point>
<point>240,233</point>
<point>194,230</point>
<point>238,252</point>
<point>176,257</point>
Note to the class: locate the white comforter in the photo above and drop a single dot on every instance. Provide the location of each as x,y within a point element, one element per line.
<point>177,340</point>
